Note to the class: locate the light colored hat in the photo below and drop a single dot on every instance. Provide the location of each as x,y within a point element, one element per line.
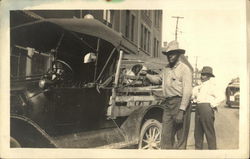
<point>207,70</point>
<point>173,47</point>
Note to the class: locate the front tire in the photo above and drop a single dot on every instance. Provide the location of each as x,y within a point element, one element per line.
<point>150,135</point>
<point>14,143</point>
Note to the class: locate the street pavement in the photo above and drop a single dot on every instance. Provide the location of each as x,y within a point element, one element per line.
<point>226,127</point>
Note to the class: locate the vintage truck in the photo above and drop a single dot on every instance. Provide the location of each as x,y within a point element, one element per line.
<point>233,93</point>
<point>81,101</point>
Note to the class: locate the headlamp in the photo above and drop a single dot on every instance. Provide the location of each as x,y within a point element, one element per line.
<point>42,83</point>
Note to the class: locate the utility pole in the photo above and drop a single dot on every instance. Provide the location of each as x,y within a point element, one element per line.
<point>196,71</point>
<point>176,28</point>
<point>196,60</point>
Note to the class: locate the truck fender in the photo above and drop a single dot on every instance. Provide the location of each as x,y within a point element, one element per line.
<point>134,122</point>
<point>28,134</point>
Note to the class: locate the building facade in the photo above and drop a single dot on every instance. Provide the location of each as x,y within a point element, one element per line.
<point>141,30</point>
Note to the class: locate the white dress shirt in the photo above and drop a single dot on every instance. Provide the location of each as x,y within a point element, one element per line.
<point>206,93</point>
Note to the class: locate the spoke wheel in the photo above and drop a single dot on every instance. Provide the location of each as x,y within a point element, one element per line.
<point>150,135</point>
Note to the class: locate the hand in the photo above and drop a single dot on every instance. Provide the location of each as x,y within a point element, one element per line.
<point>179,117</point>
<point>142,73</point>
<point>215,109</point>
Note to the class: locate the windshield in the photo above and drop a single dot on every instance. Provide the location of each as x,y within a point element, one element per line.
<point>69,47</point>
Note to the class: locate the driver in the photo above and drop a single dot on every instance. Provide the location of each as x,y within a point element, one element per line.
<point>57,71</point>
<point>60,71</point>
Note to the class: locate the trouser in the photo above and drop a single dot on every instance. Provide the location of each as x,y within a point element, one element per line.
<point>204,124</point>
<point>170,128</point>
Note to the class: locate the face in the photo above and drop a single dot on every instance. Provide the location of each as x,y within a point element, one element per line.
<point>57,70</point>
<point>137,70</point>
<point>204,77</point>
<point>173,58</point>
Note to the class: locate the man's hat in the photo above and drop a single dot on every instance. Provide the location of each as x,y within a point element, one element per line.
<point>207,70</point>
<point>173,47</point>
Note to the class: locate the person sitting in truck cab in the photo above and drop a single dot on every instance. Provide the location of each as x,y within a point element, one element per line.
<point>61,71</point>
<point>134,76</point>
<point>131,74</point>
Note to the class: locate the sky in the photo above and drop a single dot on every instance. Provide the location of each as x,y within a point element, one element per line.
<point>213,36</point>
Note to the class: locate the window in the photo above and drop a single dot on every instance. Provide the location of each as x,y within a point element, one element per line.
<point>132,27</point>
<point>154,47</point>
<point>112,14</point>
<point>148,48</point>
<point>108,17</point>
<point>127,23</point>
<point>157,18</point>
<point>145,38</point>
<point>141,44</point>
<point>157,48</point>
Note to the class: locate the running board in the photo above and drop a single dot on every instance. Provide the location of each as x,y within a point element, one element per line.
<point>104,138</point>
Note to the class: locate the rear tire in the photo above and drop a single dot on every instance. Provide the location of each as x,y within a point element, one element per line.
<point>150,135</point>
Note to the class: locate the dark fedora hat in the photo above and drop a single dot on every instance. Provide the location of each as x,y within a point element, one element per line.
<point>173,47</point>
<point>207,70</point>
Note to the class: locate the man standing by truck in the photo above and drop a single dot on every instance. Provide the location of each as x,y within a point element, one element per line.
<point>176,80</point>
<point>207,100</point>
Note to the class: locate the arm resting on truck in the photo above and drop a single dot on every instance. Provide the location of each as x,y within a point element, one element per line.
<point>155,79</point>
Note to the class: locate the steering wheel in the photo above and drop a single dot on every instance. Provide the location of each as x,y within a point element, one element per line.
<point>61,70</point>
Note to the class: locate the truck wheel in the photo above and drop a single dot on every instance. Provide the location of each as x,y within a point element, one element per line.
<point>14,143</point>
<point>150,135</point>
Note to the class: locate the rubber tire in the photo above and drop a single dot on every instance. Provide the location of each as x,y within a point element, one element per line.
<point>146,125</point>
<point>14,143</point>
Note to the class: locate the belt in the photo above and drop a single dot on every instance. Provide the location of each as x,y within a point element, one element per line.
<point>173,97</point>
<point>214,108</point>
